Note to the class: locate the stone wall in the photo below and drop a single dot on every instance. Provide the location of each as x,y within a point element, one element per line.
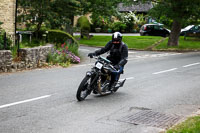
<point>29,58</point>
<point>5,60</point>
<point>7,16</point>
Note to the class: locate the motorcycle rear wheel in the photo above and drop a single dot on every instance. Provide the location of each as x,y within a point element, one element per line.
<point>82,91</point>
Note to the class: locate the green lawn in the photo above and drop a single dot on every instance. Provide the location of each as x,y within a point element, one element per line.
<point>189,44</point>
<point>191,125</point>
<point>136,42</point>
<point>143,42</point>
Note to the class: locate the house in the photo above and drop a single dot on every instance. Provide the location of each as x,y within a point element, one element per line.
<point>141,8</point>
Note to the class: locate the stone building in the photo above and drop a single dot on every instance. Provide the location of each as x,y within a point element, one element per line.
<point>7,16</point>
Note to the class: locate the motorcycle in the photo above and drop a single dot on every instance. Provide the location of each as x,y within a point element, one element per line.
<point>97,80</point>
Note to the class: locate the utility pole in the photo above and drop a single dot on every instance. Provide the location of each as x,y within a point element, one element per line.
<point>16,5</point>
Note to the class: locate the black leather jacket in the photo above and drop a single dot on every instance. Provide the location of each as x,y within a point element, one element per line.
<point>118,53</point>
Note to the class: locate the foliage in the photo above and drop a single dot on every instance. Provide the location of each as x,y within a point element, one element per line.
<point>119,26</point>
<point>129,19</point>
<point>63,56</point>
<point>59,37</point>
<point>104,23</point>
<point>34,13</point>
<point>132,20</point>
<point>34,43</point>
<point>180,12</point>
<point>191,125</point>
<point>2,39</point>
<point>63,12</point>
<point>83,23</point>
<point>100,8</point>
<point>0,25</point>
<point>55,14</point>
<point>98,22</point>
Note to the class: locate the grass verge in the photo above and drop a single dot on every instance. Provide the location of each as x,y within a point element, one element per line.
<point>144,42</point>
<point>134,42</point>
<point>190,44</point>
<point>191,125</point>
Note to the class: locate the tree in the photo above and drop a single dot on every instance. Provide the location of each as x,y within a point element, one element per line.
<point>34,12</point>
<point>180,12</point>
<point>64,12</point>
<point>55,13</point>
<point>104,8</point>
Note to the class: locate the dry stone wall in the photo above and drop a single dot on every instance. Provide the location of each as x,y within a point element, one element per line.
<point>5,60</point>
<point>29,58</point>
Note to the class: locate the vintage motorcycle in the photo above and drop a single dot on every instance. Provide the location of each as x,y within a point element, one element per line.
<point>98,79</point>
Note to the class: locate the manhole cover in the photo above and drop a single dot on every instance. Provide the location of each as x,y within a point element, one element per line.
<point>151,118</point>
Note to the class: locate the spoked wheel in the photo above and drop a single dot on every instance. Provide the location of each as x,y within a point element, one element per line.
<point>82,91</point>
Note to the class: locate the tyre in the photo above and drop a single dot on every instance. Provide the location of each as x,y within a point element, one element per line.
<point>82,91</point>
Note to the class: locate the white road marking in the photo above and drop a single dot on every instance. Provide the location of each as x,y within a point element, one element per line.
<point>130,52</point>
<point>165,71</point>
<point>128,78</point>
<point>25,101</point>
<point>192,64</point>
<point>131,57</point>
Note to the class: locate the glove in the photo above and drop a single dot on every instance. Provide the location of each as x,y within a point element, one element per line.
<point>117,67</point>
<point>91,55</point>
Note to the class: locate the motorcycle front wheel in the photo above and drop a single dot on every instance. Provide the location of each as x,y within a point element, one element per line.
<point>82,91</point>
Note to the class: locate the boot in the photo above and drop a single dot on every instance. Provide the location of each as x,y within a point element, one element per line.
<point>112,85</point>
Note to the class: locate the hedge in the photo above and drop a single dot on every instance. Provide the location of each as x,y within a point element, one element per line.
<point>59,37</point>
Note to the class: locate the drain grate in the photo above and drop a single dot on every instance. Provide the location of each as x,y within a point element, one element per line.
<point>151,118</point>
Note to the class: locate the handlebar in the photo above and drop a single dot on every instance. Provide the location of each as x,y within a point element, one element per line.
<point>102,58</point>
<point>108,62</point>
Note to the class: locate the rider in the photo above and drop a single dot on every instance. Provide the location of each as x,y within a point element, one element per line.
<point>118,56</point>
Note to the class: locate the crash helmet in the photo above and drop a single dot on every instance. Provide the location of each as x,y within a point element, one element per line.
<point>117,38</point>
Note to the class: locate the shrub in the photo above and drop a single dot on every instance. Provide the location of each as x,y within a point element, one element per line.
<point>83,23</point>
<point>8,41</point>
<point>63,56</point>
<point>119,26</point>
<point>60,37</point>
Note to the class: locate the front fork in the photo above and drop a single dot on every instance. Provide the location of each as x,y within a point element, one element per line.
<point>94,77</point>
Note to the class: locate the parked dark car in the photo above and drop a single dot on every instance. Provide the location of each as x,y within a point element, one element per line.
<point>190,29</point>
<point>154,30</point>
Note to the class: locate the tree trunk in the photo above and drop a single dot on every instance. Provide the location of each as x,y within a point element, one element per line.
<point>175,33</point>
<point>38,29</point>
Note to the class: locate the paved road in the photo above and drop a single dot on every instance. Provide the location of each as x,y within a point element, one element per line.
<point>160,85</point>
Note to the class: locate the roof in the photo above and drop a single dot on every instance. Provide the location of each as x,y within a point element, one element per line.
<point>141,7</point>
